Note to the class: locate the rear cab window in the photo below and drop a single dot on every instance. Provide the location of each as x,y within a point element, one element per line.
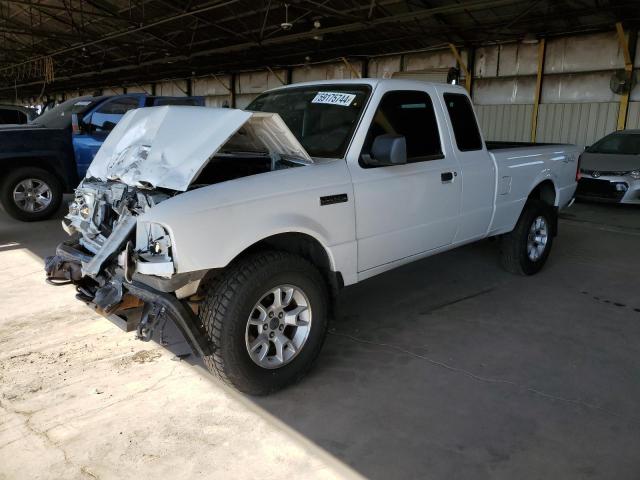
<point>463,122</point>
<point>408,113</point>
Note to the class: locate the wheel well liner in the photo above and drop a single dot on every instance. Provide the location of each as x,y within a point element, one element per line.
<point>300,244</point>
<point>544,191</point>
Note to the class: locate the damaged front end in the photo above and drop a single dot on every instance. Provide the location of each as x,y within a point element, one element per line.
<point>120,263</point>
<point>123,267</point>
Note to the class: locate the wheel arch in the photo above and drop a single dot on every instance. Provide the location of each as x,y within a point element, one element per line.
<point>11,164</point>
<point>546,192</point>
<point>297,243</point>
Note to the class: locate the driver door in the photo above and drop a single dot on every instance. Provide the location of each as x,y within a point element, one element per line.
<point>406,210</point>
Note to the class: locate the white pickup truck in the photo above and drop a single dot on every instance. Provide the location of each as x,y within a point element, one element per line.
<point>241,226</point>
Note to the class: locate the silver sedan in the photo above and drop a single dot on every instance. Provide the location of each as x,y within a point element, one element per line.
<point>610,169</point>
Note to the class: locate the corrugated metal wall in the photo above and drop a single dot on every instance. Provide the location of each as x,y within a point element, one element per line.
<point>505,122</point>
<point>143,88</point>
<point>172,88</point>
<point>633,120</point>
<point>577,105</point>
<point>579,123</point>
<point>249,85</point>
<point>216,89</point>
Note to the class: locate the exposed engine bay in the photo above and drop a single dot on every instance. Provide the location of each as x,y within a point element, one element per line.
<point>122,264</point>
<point>111,252</point>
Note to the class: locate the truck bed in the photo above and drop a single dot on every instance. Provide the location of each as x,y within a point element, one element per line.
<point>502,145</point>
<point>522,166</point>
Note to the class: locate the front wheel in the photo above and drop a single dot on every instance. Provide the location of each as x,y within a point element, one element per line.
<point>266,319</point>
<point>525,250</point>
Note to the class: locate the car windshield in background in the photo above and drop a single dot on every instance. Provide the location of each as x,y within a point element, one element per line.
<point>60,116</point>
<point>618,143</point>
<point>322,118</point>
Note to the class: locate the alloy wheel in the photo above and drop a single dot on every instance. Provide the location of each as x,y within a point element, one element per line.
<point>32,195</point>
<point>278,326</point>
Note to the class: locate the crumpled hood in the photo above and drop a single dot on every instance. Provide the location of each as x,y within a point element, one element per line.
<point>169,146</point>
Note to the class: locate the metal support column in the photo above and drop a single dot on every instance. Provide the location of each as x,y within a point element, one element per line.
<point>542,48</point>
<point>468,78</point>
<point>232,90</point>
<point>282,81</point>
<point>628,68</point>
<point>351,67</point>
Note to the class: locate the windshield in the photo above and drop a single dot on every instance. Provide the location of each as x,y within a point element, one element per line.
<point>322,117</point>
<point>618,143</point>
<point>60,116</point>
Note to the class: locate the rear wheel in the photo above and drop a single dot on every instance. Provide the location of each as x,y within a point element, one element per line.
<point>30,194</point>
<point>525,250</point>
<point>266,319</point>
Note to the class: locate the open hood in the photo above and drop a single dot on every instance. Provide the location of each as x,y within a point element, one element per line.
<point>169,146</point>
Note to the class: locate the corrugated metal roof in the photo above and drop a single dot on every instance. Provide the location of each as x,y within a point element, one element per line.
<point>95,42</point>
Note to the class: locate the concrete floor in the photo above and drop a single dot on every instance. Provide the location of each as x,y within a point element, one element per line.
<point>446,368</point>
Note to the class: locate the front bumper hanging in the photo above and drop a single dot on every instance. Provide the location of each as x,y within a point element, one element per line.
<point>134,303</point>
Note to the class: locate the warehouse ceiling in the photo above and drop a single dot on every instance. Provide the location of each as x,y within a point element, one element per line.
<point>89,43</point>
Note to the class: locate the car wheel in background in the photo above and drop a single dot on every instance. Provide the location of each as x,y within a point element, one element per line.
<point>30,194</point>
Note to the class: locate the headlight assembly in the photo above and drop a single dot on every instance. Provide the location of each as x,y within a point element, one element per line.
<point>635,174</point>
<point>153,250</point>
<point>152,239</point>
<point>81,206</point>
<point>85,212</point>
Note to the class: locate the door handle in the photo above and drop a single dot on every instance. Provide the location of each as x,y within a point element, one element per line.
<point>446,177</point>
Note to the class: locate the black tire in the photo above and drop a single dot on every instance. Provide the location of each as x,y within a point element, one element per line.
<point>14,177</point>
<point>228,304</point>
<point>514,255</point>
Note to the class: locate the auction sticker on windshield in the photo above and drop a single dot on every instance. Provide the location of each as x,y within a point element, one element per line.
<point>334,98</point>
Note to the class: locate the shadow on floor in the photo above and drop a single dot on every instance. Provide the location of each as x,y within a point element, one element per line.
<point>452,368</point>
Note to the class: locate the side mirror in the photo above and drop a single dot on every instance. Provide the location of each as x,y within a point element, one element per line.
<point>387,150</point>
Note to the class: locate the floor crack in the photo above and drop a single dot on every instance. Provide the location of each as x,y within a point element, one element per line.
<point>27,415</point>
<point>457,300</point>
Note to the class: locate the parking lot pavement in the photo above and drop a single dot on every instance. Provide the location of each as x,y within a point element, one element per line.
<point>81,399</point>
<point>445,368</point>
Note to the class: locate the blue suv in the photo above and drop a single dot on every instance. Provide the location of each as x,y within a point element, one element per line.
<point>48,157</point>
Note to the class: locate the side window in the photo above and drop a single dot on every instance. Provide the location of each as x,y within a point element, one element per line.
<point>409,113</point>
<point>618,143</point>
<point>10,116</point>
<point>109,114</point>
<point>176,101</point>
<point>465,127</point>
